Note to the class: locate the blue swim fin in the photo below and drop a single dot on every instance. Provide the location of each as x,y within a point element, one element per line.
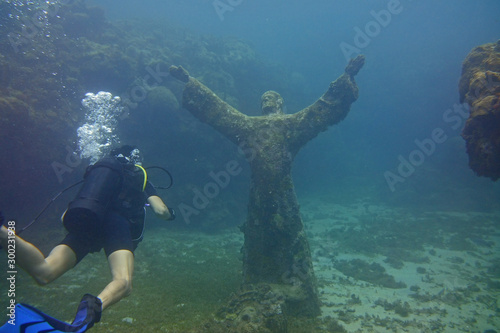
<point>29,319</point>
<point>89,312</point>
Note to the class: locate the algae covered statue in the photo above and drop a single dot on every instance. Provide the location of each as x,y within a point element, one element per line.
<point>276,251</point>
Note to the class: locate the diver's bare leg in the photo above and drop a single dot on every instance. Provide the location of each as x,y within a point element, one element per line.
<point>121,264</point>
<point>43,270</point>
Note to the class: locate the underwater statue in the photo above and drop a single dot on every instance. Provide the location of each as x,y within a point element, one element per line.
<point>480,88</point>
<point>276,251</point>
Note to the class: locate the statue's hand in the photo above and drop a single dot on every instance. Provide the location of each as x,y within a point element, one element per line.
<point>179,73</point>
<point>355,65</point>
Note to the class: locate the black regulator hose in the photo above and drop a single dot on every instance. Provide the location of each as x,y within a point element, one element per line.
<point>48,205</point>
<point>167,172</point>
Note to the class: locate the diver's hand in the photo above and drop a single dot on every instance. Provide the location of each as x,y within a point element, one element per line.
<point>179,73</point>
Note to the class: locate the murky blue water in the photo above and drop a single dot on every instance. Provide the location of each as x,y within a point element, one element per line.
<point>408,110</point>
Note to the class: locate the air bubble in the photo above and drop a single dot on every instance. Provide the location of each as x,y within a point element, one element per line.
<point>97,135</point>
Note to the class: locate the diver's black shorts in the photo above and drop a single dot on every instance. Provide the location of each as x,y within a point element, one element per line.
<point>116,234</point>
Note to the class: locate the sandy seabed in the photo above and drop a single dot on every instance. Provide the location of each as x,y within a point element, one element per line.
<point>389,270</point>
<point>379,269</point>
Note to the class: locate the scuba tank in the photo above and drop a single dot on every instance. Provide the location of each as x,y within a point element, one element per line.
<point>102,184</point>
<point>114,183</point>
<point>131,199</point>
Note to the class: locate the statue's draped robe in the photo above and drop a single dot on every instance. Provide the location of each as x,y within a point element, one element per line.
<point>276,250</point>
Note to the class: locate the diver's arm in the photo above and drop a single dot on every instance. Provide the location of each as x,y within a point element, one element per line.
<point>161,210</point>
<point>205,105</point>
<point>331,108</point>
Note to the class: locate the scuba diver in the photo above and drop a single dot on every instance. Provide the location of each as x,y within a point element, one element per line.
<point>108,212</point>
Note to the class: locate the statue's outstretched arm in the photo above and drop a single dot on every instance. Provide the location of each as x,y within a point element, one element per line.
<point>205,105</point>
<point>331,108</point>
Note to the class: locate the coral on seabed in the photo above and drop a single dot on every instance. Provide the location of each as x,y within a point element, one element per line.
<point>373,273</point>
<point>480,87</point>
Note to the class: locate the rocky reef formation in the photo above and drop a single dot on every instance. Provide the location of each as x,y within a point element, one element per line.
<point>480,88</point>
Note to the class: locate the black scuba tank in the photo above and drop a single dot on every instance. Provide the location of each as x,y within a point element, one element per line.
<point>102,183</point>
<point>131,199</point>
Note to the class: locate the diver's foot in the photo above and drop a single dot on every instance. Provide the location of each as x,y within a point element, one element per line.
<point>88,313</point>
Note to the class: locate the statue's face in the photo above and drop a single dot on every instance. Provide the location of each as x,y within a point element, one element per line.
<point>271,103</point>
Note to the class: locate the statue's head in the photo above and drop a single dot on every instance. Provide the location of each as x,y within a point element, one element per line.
<point>271,103</point>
